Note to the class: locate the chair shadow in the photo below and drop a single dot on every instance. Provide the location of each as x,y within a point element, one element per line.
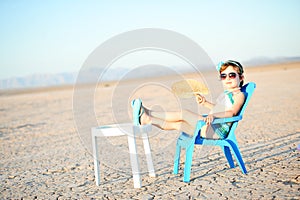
<point>259,151</point>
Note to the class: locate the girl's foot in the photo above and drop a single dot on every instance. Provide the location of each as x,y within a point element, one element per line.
<point>139,113</point>
<point>144,117</point>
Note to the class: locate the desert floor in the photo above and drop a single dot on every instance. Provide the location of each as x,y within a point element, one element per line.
<point>46,144</point>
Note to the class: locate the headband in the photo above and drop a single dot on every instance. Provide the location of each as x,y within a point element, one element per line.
<point>230,62</point>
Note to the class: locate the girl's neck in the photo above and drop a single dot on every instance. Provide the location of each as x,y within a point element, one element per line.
<point>233,90</point>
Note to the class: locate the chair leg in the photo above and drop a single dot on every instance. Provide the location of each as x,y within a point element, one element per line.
<point>176,159</point>
<point>238,157</point>
<point>188,163</point>
<point>228,155</point>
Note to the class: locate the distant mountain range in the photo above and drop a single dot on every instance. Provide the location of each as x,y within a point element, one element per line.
<point>267,61</point>
<point>45,80</point>
<point>38,80</point>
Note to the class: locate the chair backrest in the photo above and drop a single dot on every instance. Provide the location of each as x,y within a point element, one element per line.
<point>248,90</point>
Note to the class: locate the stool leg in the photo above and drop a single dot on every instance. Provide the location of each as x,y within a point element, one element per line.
<point>147,150</point>
<point>96,160</point>
<point>134,162</point>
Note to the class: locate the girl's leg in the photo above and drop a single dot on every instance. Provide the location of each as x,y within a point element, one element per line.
<point>208,132</point>
<point>183,121</point>
<point>203,132</point>
<point>167,116</point>
<point>178,125</point>
<point>165,125</point>
<point>175,116</point>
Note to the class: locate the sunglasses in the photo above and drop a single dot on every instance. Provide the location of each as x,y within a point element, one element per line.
<point>231,75</point>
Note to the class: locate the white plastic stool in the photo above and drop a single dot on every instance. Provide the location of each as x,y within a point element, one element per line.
<point>119,130</point>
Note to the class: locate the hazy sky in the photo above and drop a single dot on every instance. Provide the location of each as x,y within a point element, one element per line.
<point>51,36</point>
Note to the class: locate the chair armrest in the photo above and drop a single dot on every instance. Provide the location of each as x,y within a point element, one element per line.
<point>217,121</point>
<point>229,119</point>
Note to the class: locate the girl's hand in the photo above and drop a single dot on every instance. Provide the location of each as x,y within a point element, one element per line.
<point>200,99</point>
<point>209,119</point>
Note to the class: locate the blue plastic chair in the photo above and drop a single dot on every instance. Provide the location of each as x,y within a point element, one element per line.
<point>228,145</point>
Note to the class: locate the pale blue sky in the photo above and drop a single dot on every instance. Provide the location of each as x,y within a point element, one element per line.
<point>52,36</point>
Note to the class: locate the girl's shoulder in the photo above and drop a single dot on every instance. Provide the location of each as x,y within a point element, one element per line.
<point>240,93</point>
<point>239,96</point>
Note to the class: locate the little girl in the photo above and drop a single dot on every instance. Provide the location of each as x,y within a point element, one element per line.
<point>231,75</point>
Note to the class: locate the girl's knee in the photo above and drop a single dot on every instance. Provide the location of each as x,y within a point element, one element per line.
<point>203,132</point>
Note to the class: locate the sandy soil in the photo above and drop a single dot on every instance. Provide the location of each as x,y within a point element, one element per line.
<point>46,151</point>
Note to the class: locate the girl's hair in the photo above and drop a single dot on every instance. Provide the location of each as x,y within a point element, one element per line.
<point>236,66</point>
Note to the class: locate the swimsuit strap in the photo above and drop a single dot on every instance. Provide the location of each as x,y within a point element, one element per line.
<point>230,95</point>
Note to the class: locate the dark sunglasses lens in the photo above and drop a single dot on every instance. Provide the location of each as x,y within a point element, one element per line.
<point>223,76</point>
<point>232,75</point>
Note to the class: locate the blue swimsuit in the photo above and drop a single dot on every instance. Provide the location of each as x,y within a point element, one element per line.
<point>222,129</point>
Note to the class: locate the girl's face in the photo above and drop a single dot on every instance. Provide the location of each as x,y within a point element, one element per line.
<point>230,78</point>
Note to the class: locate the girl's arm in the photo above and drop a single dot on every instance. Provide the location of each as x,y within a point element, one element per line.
<point>202,101</point>
<point>239,100</point>
<point>236,107</point>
